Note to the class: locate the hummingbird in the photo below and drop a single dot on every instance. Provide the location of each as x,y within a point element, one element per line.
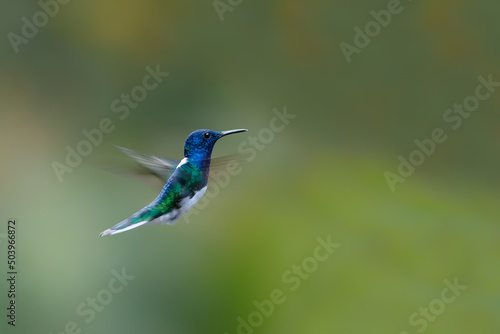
<point>186,181</point>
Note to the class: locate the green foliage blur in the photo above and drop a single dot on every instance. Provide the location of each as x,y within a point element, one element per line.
<point>325,173</point>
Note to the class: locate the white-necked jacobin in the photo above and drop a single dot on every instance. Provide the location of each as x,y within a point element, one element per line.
<point>186,184</point>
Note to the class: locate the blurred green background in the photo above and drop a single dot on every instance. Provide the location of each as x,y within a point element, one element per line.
<point>323,175</point>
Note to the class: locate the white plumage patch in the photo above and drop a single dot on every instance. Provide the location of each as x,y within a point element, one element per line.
<point>183,161</point>
<point>186,204</point>
<point>111,232</point>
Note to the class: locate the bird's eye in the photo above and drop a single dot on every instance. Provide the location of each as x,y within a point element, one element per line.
<point>206,135</point>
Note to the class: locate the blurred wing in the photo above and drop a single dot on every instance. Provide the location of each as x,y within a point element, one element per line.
<point>225,163</point>
<point>224,160</point>
<point>160,167</point>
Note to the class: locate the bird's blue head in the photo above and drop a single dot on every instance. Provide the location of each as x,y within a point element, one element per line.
<point>200,143</point>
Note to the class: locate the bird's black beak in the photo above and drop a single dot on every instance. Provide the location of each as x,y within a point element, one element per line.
<point>225,133</point>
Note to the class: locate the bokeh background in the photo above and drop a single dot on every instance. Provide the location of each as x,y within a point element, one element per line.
<point>323,175</point>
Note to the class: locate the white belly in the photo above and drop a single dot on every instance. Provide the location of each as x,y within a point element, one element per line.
<point>185,205</point>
